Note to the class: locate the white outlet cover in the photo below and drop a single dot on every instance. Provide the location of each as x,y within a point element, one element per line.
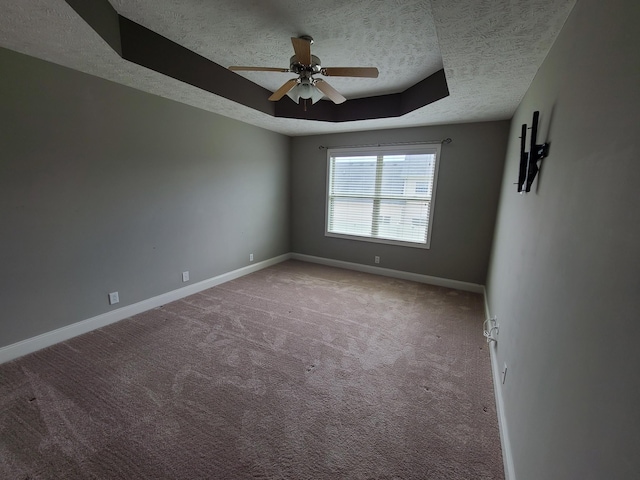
<point>185,276</point>
<point>114,298</point>
<point>251,257</point>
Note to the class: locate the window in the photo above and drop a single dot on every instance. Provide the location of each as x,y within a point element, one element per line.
<point>422,187</point>
<point>382,194</point>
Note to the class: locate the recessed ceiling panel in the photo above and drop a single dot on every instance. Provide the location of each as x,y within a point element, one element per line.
<point>490,50</point>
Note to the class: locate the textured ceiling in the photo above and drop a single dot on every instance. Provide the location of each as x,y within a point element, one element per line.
<point>490,49</point>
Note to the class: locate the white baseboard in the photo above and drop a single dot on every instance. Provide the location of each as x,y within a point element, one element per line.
<point>507,457</point>
<point>47,339</point>
<point>387,272</point>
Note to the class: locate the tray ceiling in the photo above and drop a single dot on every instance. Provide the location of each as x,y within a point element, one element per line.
<point>490,50</point>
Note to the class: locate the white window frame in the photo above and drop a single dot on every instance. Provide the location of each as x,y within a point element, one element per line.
<point>428,148</point>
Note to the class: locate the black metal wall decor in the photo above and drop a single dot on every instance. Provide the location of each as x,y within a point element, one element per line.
<point>529,161</point>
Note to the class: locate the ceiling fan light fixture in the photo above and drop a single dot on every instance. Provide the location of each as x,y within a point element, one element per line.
<point>305,91</point>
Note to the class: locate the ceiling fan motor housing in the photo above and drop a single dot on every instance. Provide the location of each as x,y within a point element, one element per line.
<point>305,70</point>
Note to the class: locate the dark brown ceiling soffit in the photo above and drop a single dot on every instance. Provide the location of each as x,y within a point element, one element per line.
<point>138,44</point>
<point>427,91</point>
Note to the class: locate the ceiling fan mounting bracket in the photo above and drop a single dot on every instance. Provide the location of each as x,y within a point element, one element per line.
<point>308,38</point>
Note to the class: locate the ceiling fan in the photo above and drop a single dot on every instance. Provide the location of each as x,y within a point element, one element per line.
<point>306,66</point>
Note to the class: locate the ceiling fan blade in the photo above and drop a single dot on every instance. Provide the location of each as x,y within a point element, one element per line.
<point>302,48</point>
<point>258,69</point>
<point>329,91</point>
<point>283,90</point>
<point>368,72</point>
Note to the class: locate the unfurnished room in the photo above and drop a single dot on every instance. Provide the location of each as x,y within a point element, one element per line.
<point>365,239</point>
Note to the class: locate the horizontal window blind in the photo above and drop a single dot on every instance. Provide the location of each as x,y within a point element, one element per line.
<point>385,195</point>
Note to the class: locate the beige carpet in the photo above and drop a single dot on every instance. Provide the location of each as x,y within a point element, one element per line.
<point>298,371</point>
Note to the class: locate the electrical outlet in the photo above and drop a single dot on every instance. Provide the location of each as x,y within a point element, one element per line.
<point>251,257</point>
<point>185,276</point>
<point>376,259</point>
<point>113,298</point>
<point>504,373</point>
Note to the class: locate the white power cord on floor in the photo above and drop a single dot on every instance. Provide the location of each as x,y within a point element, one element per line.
<point>490,326</point>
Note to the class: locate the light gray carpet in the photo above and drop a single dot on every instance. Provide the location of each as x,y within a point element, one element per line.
<point>298,371</point>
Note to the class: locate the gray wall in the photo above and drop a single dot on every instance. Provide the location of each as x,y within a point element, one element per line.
<point>564,278</point>
<point>105,188</point>
<point>466,200</point>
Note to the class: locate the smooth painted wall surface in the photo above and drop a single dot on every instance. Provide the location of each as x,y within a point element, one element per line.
<point>564,279</point>
<point>467,195</point>
<point>104,188</point>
